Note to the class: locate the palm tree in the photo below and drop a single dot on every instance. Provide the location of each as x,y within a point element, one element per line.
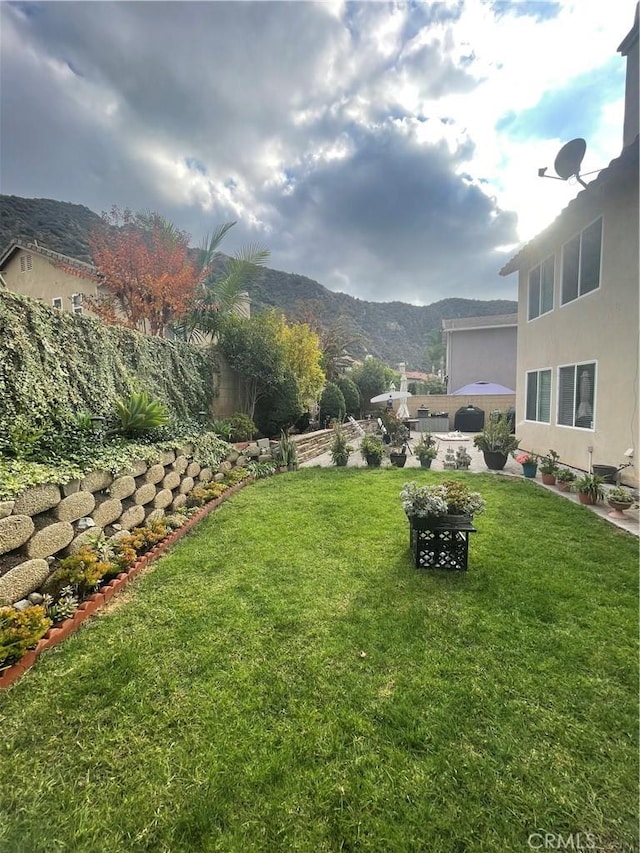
<point>222,281</point>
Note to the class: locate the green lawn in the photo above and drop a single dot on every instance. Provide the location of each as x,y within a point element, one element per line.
<point>286,680</point>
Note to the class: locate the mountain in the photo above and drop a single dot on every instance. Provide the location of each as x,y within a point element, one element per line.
<point>391,331</point>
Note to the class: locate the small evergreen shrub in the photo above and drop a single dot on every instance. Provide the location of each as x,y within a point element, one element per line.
<point>20,630</point>
<point>332,404</point>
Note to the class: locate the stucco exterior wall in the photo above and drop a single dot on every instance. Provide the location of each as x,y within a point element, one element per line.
<point>600,327</point>
<point>475,355</point>
<point>45,281</point>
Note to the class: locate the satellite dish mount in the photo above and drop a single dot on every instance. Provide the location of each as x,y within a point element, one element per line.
<point>568,161</point>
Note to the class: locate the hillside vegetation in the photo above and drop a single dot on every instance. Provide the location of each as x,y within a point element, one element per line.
<point>392,331</point>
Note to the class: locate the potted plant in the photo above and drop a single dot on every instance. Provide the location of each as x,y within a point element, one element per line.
<point>496,442</point>
<point>549,468</point>
<point>463,458</point>
<point>398,439</point>
<point>424,505</point>
<point>529,462</point>
<point>286,454</point>
<point>340,447</point>
<point>372,448</point>
<point>449,463</point>
<point>564,479</point>
<point>619,500</point>
<point>589,488</point>
<point>426,450</point>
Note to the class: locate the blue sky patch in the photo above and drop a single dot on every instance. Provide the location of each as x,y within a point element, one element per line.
<point>539,10</point>
<point>574,110</point>
<point>195,165</point>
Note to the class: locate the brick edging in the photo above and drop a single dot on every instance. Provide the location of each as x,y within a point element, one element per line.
<point>95,602</point>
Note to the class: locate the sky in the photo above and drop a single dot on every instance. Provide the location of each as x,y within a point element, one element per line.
<point>387,150</point>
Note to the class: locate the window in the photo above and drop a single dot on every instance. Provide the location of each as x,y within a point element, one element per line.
<point>541,288</point>
<point>538,407</point>
<point>57,301</point>
<point>576,395</point>
<point>26,263</point>
<point>581,263</point>
<point>76,302</point>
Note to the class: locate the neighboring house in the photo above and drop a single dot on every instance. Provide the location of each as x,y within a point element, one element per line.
<point>56,279</point>
<point>577,380</point>
<point>481,349</point>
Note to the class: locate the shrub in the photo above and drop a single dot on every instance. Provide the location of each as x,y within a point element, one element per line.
<point>242,427</point>
<point>139,414</point>
<point>20,630</point>
<point>82,571</point>
<point>332,403</point>
<point>280,408</point>
<point>351,395</point>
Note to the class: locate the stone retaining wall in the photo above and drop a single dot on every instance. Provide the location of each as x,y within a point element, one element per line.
<point>48,522</point>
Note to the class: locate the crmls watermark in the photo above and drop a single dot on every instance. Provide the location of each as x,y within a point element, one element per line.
<point>557,841</point>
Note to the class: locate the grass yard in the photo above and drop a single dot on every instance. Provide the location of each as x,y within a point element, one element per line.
<point>286,680</point>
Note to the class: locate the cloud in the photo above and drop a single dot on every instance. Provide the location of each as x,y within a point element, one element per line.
<point>381,148</point>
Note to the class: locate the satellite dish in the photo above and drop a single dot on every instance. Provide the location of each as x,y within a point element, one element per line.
<point>569,158</point>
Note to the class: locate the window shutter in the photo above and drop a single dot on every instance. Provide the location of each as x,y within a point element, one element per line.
<point>546,286</point>
<point>544,396</point>
<point>532,393</point>
<point>534,293</point>
<point>590,257</point>
<point>570,264</point>
<point>566,387</point>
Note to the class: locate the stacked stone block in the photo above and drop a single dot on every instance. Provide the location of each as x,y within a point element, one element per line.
<point>49,521</point>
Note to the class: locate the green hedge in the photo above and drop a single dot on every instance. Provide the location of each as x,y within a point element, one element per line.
<point>51,359</point>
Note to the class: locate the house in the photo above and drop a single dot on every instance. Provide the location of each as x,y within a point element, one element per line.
<point>577,350</point>
<point>481,349</point>
<point>41,273</point>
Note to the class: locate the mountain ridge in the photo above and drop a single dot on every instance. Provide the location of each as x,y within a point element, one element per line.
<point>392,331</point>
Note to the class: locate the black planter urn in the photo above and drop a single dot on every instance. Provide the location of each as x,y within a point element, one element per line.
<point>494,460</point>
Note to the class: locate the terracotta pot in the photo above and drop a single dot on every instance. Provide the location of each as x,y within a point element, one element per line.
<point>549,479</point>
<point>562,486</point>
<point>586,499</point>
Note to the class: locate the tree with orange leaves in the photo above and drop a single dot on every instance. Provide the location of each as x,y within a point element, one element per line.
<point>147,276</point>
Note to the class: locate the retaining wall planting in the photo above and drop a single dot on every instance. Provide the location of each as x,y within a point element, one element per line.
<point>46,523</point>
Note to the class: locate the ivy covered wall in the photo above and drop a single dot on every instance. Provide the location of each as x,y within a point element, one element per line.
<point>50,359</point>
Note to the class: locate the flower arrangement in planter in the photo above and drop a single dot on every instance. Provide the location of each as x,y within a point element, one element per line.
<point>340,447</point>
<point>372,448</point>
<point>496,442</point>
<point>565,479</point>
<point>549,468</point>
<point>440,519</point>
<point>444,499</point>
<point>529,462</point>
<point>426,450</point>
<point>619,500</point>
<point>589,489</point>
